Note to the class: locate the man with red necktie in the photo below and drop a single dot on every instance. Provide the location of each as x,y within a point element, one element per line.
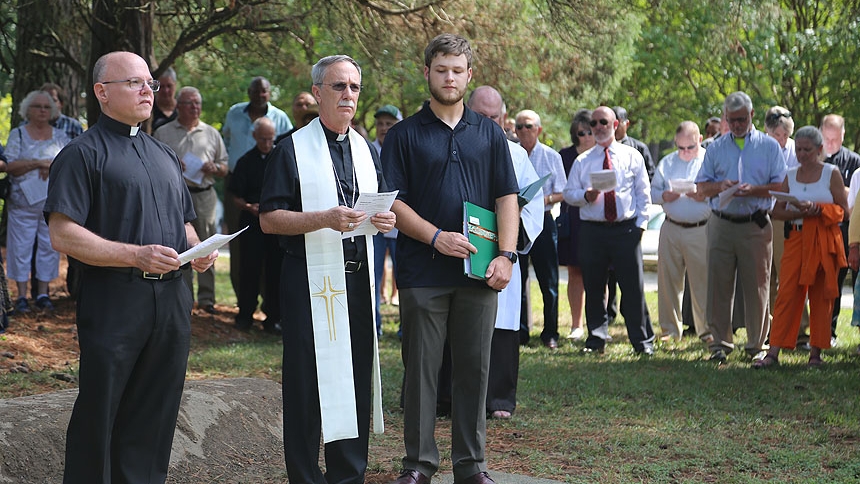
<point>613,220</point>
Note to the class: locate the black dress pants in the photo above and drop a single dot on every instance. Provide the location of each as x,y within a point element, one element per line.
<point>134,336</point>
<point>346,460</point>
<point>617,245</point>
<point>261,254</point>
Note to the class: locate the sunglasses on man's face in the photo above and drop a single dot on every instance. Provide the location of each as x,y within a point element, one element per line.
<point>594,122</point>
<point>526,126</point>
<point>583,133</point>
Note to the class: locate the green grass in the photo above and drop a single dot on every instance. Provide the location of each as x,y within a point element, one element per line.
<point>673,418</point>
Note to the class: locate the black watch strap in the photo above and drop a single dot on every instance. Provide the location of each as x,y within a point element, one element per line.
<point>511,256</point>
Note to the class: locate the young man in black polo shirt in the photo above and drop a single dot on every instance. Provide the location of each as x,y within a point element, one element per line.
<point>439,158</point>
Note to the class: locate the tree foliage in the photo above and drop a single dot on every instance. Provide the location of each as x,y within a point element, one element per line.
<point>665,60</point>
<point>796,53</point>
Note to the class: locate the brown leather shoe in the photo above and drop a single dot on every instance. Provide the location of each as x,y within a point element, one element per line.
<point>479,478</point>
<point>411,476</point>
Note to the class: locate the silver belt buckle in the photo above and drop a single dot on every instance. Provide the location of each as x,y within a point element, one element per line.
<point>351,266</point>
<point>151,276</point>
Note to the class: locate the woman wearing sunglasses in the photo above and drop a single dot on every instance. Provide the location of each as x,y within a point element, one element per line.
<point>568,223</point>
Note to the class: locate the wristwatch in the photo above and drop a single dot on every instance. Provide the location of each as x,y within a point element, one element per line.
<point>511,256</point>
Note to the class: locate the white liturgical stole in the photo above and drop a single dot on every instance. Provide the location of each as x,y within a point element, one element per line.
<point>327,282</point>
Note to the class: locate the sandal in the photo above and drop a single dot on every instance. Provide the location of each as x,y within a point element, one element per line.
<point>768,361</point>
<point>815,362</point>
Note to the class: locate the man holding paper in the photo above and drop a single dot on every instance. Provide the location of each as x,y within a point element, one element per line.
<point>312,183</point>
<point>737,174</point>
<point>203,156</point>
<point>117,203</point>
<point>610,184</point>
<point>683,236</point>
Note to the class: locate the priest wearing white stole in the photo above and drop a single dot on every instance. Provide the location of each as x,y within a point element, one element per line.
<point>331,381</point>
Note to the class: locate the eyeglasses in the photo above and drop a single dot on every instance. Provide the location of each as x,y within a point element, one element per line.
<point>40,106</point>
<point>190,103</point>
<point>136,83</point>
<point>594,122</point>
<point>583,133</point>
<point>687,148</point>
<point>526,126</point>
<point>774,117</point>
<point>340,86</point>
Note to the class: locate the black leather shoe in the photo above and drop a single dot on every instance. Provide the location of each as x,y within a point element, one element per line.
<point>244,325</point>
<point>551,343</point>
<point>411,476</point>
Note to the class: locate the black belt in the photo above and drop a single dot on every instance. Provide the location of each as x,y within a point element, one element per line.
<point>352,266</point>
<point>739,219</point>
<point>688,225</point>
<point>198,189</point>
<point>149,276</point>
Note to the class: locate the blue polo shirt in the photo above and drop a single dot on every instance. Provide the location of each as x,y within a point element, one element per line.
<point>436,169</point>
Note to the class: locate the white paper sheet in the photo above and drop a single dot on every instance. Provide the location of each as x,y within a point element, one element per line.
<point>784,197</point>
<point>193,168</point>
<point>682,186</point>
<point>35,189</point>
<point>603,180</point>
<point>372,204</point>
<point>728,194</point>
<point>207,246</point>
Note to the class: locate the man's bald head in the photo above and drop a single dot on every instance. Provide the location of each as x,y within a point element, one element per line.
<point>487,101</point>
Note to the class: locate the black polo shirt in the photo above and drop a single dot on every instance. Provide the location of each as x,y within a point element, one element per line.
<point>436,169</point>
<point>247,179</point>
<point>283,191</point>
<point>123,188</point>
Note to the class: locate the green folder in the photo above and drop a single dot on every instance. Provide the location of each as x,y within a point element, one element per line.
<point>479,225</point>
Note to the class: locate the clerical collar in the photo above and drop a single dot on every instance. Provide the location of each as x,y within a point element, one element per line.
<point>332,136</point>
<point>118,127</point>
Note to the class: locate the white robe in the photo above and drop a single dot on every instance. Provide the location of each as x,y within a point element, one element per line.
<point>510,298</point>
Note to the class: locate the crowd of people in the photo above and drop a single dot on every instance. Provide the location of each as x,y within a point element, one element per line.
<point>756,224</point>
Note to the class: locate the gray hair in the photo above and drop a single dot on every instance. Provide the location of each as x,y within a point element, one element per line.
<point>28,100</point>
<point>189,90</point>
<point>811,133</point>
<point>169,72</point>
<point>779,116</point>
<point>687,127</point>
<point>260,122</point>
<point>529,113</point>
<point>738,100</point>
<point>99,67</point>
<point>322,65</point>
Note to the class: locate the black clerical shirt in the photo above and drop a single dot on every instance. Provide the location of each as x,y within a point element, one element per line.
<point>123,185</point>
<point>282,189</point>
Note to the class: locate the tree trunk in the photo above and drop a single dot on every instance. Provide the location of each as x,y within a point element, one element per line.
<point>118,25</point>
<point>48,50</point>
